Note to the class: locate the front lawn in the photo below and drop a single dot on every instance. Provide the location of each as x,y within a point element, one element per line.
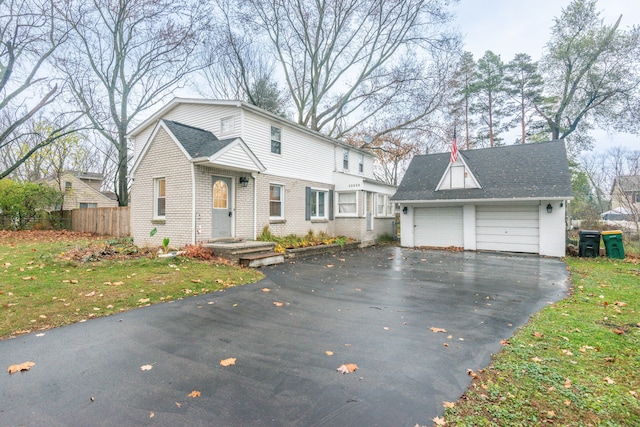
<point>50,279</point>
<point>575,363</point>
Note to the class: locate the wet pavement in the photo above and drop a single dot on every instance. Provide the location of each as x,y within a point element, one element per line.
<point>371,307</point>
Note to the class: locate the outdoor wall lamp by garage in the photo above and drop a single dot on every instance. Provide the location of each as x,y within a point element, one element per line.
<point>549,208</point>
<point>244,181</point>
<point>405,210</point>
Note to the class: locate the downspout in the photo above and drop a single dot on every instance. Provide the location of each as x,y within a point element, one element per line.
<point>193,203</point>
<point>255,206</point>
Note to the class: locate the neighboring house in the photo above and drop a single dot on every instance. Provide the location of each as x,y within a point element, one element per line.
<point>625,193</point>
<point>82,190</point>
<point>510,198</point>
<point>210,170</point>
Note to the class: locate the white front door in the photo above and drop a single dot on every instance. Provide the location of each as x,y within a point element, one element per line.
<point>221,209</point>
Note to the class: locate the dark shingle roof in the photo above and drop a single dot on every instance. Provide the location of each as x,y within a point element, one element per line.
<point>197,142</point>
<point>537,170</point>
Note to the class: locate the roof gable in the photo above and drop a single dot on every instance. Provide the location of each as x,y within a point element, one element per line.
<point>524,171</point>
<point>457,175</point>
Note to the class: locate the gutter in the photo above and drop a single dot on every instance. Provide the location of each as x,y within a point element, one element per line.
<point>457,201</point>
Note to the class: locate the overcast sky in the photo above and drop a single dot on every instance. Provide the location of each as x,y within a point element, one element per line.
<point>507,27</point>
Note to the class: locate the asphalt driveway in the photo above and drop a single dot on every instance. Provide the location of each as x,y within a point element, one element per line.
<point>370,307</point>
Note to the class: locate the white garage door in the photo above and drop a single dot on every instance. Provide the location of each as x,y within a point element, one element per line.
<point>440,227</point>
<point>508,228</point>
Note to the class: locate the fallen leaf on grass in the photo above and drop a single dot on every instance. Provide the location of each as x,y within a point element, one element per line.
<point>143,300</point>
<point>472,374</point>
<point>118,283</point>
<point>29,278</point>
<point>538,335</point>
<point>146,367</point>
<point>505,342</point>
<point>196,281</point>
<point>567,383</point>
<point>194,394</point>
<point>619,331</point>
<point>536,359</point>
<point>228,362</point>
<point>436,330</point>
<point>608,380</point>
<point>347,368</point>
<point>90,294</point>
<point>439,421</point>
<point>448,405</point>
<point>20,367</point>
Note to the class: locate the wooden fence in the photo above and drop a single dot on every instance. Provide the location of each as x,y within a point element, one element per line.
<point>104,221</point>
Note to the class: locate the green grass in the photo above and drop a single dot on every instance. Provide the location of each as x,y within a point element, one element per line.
<point>576,362</point>
<point>41,288</point>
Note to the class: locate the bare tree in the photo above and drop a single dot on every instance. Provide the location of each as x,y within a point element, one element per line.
<point>524,85</point>
<point>125,56</point>
<point>30,33</point>
<point>588,69</point>
<point>347,63</point>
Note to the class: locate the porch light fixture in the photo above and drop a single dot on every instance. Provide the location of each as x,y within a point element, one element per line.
<point>405,210</point>
<point>244,181</point>
<point>549,208</point>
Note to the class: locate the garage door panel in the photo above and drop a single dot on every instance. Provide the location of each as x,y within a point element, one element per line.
<point>438,227</point>
<point>514,231</point>
<point>509,223</point>
<point>508,228</point>
<point>511,215</point>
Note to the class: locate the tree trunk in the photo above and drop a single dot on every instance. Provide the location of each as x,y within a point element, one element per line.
<point>123,190</point>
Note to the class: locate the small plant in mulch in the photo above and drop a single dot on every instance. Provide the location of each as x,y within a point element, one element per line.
<point>292,241</point>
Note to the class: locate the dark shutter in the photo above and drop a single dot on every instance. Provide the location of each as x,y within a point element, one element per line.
<point>307,204</point>
<point>331,205</point>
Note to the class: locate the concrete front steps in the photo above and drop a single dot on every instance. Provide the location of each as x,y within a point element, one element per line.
<point>247,253</point>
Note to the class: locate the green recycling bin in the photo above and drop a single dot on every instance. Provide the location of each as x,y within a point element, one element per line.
<point>589,245</point>
<point>613,243</point>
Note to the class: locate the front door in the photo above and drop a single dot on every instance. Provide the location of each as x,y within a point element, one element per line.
<point>221,215</point>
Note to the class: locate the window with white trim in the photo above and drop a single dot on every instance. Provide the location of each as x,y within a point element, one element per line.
<point>345,159</point>
<point>276,140</point>
<point>318,204</point>
<point>381,204</point>
<point>361,163</point>
<point>347,203</point>
<point>88,205</point>
<point>227,125</point>
<point>160,197</point>
<point>276,194</point>
<point>391,207</point>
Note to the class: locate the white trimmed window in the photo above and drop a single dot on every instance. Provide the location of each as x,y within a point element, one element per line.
<point>345,159</point>
<point>318,204</point>
<point>276,140</point>
<point>391,207</point>
<point>160,197</point>
<point>227,125</point>
<point>347,203</point>
<point>381,204</point>
<point>276,201</point>
<point>361,163</point>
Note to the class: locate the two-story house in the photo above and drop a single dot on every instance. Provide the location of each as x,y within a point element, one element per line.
<point>208,170</point>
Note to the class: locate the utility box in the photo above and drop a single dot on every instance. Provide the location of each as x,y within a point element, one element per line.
<point>613,243</point>
<point>589,244</point>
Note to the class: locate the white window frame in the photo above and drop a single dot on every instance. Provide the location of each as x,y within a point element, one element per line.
<point>279,141</point>
<point>224,125</point>
<point>273,184</point>
<point>157,197</point>
<point>338,203</point>
<point>381,202</point>
<point>345,159</point>
<point>391,207</point>
<point>315,195</point>
<point>88,205</point>
<point>361,163</point>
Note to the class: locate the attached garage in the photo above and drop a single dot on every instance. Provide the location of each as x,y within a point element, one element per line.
<point>514,228</point>
<point>439,227</point>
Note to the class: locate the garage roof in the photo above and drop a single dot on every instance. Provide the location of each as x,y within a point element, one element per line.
<point>524,171</point>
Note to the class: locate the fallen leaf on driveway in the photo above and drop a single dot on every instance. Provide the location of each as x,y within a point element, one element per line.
<point>265,290</point>
<point>146,367</point>
<point>448,405</point>
<point>178,404</point>
<point>347,368</point>
<point>20,367</point>
<point>228,362</point>
<point>329,265</point>
<point>436,330</point>
<point>328,353</point>
<point>151,415</point>
<point>471,373</point>
<point>278,303</point>
<point>194,394</point>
